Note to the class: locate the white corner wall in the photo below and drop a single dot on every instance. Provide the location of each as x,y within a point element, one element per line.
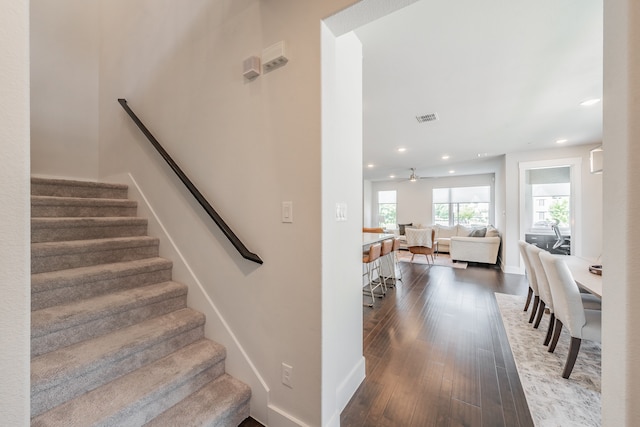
<point>64,88</point>
<point>15,250</point>
<point>343,364</point>
<point>248,146</point>
<point>621,281</point>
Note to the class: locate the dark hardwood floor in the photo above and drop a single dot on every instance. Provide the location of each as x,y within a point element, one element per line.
<point>437,353</point>
<point>250,422</point>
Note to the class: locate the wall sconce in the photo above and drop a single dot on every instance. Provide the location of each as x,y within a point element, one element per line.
<point>595,160</point>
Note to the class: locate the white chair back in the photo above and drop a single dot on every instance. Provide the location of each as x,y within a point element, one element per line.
<point>531,275</point>
<point>541,277</point>
<point>419,237</point>
<point>567,302</point>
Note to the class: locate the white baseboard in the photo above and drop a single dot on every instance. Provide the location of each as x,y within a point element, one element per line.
<point>280,418</point>
<point>348,387</point>
<point>512,270</point>
<point>345,391</point>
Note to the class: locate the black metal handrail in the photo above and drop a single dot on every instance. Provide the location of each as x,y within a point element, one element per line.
<point>235,241</point>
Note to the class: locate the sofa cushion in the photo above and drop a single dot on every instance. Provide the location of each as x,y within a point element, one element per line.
<point>402,226</point>
<point>444,231</point>
<point>464,231</point>
<point>479,232</point>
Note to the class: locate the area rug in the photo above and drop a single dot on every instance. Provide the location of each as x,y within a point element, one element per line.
<point>443,260</point>
<point>553,401</point>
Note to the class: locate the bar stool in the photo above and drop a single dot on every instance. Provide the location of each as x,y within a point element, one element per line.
<point>385,256</point>
<point>371,259</point>
<point>397,271</point>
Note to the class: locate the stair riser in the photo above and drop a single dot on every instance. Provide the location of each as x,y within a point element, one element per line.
<point>59,234</point>
<point>68,189</point>
<point>87,330</point>
<point>52,261</point>
<point>92,288</point>
<point>51,397</point>
<point>45,211</point>
<point>140,413</point>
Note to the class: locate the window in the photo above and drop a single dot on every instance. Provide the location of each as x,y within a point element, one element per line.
<point>550,193</point>
<point>387,217</point>
<point>461,205</point>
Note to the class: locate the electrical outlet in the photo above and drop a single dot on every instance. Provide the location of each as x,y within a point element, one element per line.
<point>287,375</point>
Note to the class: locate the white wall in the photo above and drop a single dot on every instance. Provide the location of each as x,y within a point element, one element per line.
<point>343,365</point>
<point>367,204</point>
<point>15,251</point>
<point>64,88</point>
<point>248,146</point>
<point>589,230</point>
<point>621,281</point>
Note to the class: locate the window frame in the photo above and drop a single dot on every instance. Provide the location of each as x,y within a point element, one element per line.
<point>395,209</point>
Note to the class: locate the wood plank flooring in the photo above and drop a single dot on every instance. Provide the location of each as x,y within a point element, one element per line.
<point>437,353</point>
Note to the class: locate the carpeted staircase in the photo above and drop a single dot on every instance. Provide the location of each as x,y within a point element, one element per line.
<point>112,340</point>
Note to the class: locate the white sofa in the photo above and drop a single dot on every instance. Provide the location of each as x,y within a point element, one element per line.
<point>474,244</point>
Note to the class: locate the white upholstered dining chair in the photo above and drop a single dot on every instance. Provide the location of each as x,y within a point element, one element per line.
<point>531,277</point>
<point>569,311</point>
<point>589,301</point>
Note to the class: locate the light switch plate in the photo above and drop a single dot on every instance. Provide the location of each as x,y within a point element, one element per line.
<point>341,211</point>
<point>287,212</point>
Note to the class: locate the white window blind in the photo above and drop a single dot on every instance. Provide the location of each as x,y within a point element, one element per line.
<point>479,194</point>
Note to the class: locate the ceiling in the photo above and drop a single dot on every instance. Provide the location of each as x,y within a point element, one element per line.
<point>502,76</point>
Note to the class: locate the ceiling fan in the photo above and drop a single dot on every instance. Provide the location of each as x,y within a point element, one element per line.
<point>413,177</point>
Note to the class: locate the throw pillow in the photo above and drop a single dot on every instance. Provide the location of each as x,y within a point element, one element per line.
<point>464,231</point>
<point>478,232</point>
<point>492,232</point>
<point>402,226</point>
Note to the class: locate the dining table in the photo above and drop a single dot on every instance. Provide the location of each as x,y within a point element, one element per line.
<point>579,268</point>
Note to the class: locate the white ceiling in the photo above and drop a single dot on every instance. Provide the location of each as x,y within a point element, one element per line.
<point>502,75</point>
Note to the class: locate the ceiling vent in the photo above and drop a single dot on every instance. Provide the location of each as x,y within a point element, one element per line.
<point>431,117</point>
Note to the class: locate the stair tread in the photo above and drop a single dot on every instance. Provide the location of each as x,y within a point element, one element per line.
<point>215,400</point>
<point>76,183</point>
<point>60,317</point>
<point>130,393</point>
<point>66,363</point>
<point>106,221</point>
<point>82,275</point>
<point>80,246</point>
<point>80,201</point>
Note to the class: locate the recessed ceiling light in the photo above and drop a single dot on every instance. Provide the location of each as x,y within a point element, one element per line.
<point>402,149</point>
<point>445,157</point>
<point>483,154</point>
<point>452,171</point>
<point>392,176</point>
<point>561,141</point>
<point>370,165</point>
<point>589,102</point>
